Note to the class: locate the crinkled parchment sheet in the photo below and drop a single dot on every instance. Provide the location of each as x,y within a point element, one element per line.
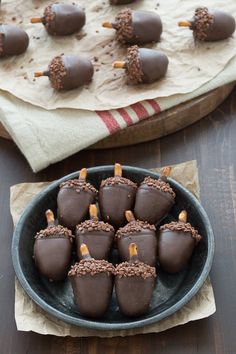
<point>190,65</point>
<point>30,317</point>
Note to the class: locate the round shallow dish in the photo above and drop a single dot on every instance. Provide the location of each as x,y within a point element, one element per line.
<point>171,291</point>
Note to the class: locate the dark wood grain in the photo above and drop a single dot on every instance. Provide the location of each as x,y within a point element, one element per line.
<point>212,143</point>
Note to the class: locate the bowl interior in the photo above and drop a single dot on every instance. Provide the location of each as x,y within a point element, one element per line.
<point>171,291</point>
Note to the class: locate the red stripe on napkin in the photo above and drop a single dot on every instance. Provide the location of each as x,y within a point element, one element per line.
<point>140,110</point>
<point>109,121</point>
<point>155,106</point>
<point>124,114</point>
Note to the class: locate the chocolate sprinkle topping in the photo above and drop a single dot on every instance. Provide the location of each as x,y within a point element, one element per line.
<point>158,184</point>
<point>181,226</point>
<point>57,71</point>
<point>79,185</point>
<point>91,225</point>
<point>202,22</point>
<point>133,65</point>
<point>111,181</point>
<point>57,231</point>
<point>49,16</point>
<point>134,227</point>
<point>123,25</point>
<point>91,266</point>
<point>139,269</point>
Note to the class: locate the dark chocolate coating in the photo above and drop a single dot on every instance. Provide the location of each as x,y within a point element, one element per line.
<point>98,242</point>
<point>134,294</point>
<point>147,27</point>
<point>121,2</point>
<point>223,26</point>
<point>68,19</point>
<point>175,250</point>
<point>146,242</point>
<point>73,207</point>
<point>154,64</point>
<point>52,256</point>
<point>114,201</point>
<point>79,71</point>
<point>13,40</point>
<point>152,204</point>
<point>92,293</point>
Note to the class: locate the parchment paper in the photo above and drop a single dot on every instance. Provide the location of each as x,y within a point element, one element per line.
<point>190,65</point>
<point>30,317</point>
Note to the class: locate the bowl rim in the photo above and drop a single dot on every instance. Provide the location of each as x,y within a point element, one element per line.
<point>94,324</point>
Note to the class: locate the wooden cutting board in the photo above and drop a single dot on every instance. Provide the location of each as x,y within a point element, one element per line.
<point>162,124</point>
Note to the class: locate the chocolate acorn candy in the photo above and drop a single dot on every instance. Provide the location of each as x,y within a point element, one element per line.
<point>92,283</point>
<point>121,2</point>
<point>13,40</point>
<point>210,25</point>
<point>142,234</point>
<point>68,72</point>
<point>52,250</point>
<point>154,198</point>
<point>97,235</point>
<point>136,27</point>
<point>74,199</point>
<point>143,65</point>
<point>62,19</point>
<point>176,244</point>
<point>134,284</point>
<point>116,195</point>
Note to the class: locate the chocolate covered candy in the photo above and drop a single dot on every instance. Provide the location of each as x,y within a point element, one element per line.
<point>68,72</point>
<point>13,40</point>
<point>62,19</point>
<point>134,284</point>
<point>97,235</point>
<point>154,198</point>
<point>116,195</point>
<point>92,283</point>
<point>143,65</point>
<point>52,250</point>
<point>136,27</point>
<point>74,199</point>
<point>210,25</point>
<point>176,244</point>
<point>142,234</point>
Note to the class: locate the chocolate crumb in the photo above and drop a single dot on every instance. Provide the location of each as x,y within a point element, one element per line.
<point>78,185</point>
<point>138,269</point>
<point>134,227</point>
<point>13,18</point>
<point>158,184</point>
<point>123,25</point>
<point>92,225</point>
<point>181,226</point>
<point>55,231</point>
<point>91,266</point>
<point>111,181</point>
<point>133,65</point>
<point>202,21</point>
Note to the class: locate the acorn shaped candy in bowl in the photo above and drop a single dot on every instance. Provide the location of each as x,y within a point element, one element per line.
<point>142,234</point>
<point>97,235</point>
<point>177,241</point>
<point>92,283</point>
<point>116,195</point>
<point>52,250</point>
<point>154,198</point>
<point>134,284</point>
<point>74,199</point>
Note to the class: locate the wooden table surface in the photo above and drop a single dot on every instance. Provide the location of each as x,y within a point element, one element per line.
<point>212,142</point>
